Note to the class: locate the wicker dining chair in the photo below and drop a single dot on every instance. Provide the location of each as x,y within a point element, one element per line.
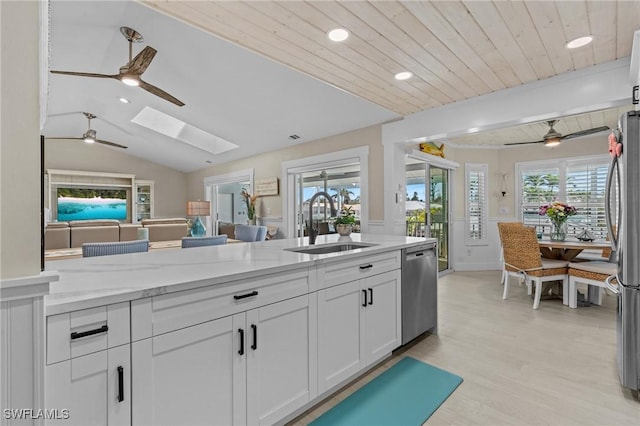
<point>522,257</point>
<point>505,273</point>
<point>592,273</point>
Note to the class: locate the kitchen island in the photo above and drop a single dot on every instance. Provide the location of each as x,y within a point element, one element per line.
<point>237,334</point>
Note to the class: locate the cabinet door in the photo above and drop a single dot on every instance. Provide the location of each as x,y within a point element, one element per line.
<point>340,318</point>
<point>281,367</point>
<point>94,388</point>
<point>381,333</point>
<point>194,375</point>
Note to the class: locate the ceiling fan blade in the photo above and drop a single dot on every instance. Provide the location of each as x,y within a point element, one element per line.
<point>586,132</point>
<point>61,138</point>
<point>84,74</point>
<point>523,143</point>
<point>97,141</point>
<point>110,144</point>
<point>139,64</point>
<point>159,92</point>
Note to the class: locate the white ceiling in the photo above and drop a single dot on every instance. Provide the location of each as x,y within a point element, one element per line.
<point>230,92</point>
<point>456,49</point>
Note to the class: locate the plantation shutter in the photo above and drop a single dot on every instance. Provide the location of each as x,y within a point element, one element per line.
<point>477,211</point>
<point>579,182</point>
<point>586,191</point>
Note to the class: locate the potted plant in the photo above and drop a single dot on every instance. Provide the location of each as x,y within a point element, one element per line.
<point>344,222</point>
<point>250,200</point>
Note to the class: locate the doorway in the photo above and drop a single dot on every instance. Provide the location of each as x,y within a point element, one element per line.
<point>428,205</point>
<point>227,206</point>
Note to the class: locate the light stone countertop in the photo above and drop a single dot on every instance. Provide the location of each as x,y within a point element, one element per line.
<point>96,281</point>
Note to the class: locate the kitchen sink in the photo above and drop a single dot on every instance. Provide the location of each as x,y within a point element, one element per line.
<point>330,248</point>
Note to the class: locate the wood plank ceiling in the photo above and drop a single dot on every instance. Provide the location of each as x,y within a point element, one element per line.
<point>455,49</point>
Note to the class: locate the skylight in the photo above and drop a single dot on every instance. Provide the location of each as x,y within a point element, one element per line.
<point>184,132</point>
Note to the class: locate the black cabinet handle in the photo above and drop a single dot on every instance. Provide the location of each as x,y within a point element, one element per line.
<point>255,337</point>
<point>120,383</point>
<point>364,304</point>
<point>370,296</point>
<point>241,351</point>
<point>366,266</point>
<point>244,296</point>
<point>76,335</point>
<point>420,254</point>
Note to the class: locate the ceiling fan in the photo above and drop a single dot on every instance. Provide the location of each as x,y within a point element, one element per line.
<point>90,136</point>
<point>554,138</point>
<point>130,73</point>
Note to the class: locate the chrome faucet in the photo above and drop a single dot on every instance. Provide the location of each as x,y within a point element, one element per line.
<point>313,232</point>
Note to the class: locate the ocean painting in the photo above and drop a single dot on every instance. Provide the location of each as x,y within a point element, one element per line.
<point>91,203</point>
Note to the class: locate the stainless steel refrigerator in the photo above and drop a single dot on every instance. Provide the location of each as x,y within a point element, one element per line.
<point>623,220</point>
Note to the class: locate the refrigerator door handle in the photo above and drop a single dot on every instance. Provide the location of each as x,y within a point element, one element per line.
<point>613,288</point>
<point>607,202</point>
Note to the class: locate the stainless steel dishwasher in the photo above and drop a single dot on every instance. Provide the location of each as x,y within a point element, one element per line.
<point>419,291</point>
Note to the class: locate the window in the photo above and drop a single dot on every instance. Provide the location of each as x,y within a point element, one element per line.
<point>476,192</point>
<point>580,182</point>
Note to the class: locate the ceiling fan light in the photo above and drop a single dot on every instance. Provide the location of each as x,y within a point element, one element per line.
<point>130,80</point>
<point>89,136</point>
<point>551,142</point>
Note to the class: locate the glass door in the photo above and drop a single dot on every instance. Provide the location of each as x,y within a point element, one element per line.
<point>438,217</point>
<point>342,183</point>
<point>427,205</point>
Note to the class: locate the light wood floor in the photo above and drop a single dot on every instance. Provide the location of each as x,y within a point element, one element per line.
<point>553,366</point>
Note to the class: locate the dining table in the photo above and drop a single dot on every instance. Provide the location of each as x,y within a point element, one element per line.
<point>569,248</point>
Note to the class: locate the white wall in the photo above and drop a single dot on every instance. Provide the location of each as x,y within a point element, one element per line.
<point>19,139</point>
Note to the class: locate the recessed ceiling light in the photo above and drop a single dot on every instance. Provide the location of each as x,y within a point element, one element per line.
<point>579,42</point>
<point>405,75</point>
<point>125,100</point>
<point>338,34</point>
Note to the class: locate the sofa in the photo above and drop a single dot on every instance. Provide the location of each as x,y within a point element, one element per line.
<point>166,229</point>
<point>93,231</point>
<point>57,235</point>
<point>61,235</point>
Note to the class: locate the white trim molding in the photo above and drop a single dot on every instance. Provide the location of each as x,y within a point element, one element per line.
<point>322,161</point>
<point>22,343</point>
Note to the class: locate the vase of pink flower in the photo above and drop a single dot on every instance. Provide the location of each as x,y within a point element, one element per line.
<point>558,213</point>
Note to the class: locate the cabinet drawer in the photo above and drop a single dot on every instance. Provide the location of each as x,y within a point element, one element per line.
<point>86,331</point>
<point>169,312</point>
<point>336,273</point>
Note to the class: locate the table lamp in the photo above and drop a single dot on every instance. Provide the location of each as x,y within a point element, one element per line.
<point>197,209</point>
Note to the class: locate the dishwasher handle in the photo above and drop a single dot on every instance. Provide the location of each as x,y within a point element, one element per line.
<point>417,254</point>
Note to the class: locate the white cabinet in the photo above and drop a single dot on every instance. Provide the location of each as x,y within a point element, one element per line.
<point>142,200</point>
<point>253,367</point>
<point>189,376</point>
<point>88,367</point>
<point>281,359</point>
<point>358,324</point>
<point>93,389</point>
